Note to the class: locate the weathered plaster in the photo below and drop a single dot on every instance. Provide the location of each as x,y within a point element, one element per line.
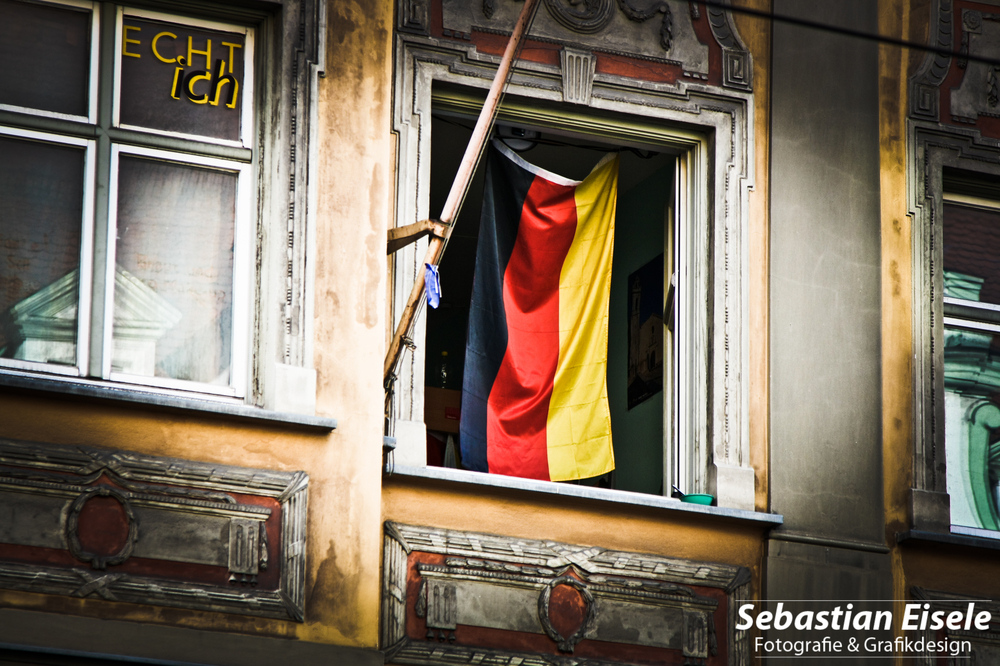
<point>897,339</point>
<point>522,514</point>
<point>756,34</point>
<point>353,210</point>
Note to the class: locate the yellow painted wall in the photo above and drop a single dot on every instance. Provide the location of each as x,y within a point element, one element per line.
<point>344,530</point>
<point>756,34</point>
<point>530,515</point>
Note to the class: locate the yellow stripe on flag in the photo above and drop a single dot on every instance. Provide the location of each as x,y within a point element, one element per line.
<point>579,421</point>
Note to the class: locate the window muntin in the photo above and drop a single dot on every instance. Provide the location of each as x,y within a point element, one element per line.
<point>186,197</point>
<point>971,281</point>
<point>50,56</point>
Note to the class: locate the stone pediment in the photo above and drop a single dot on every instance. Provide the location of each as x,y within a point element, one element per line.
<point>43,327</point>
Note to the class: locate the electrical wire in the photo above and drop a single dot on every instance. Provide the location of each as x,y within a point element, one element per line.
<point>849,32</point>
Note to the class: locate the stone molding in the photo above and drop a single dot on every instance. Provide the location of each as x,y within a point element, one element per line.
<point>177,512</point>
<point>933,148</point>
<point>518,576</point>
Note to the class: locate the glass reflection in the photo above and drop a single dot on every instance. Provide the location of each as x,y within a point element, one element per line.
<point>972,425</point>
<point>45,51</point>
<point>174,273</point>
<point>41,212</point>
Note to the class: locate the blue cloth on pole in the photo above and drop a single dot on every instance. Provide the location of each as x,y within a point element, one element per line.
<point>432,284</point>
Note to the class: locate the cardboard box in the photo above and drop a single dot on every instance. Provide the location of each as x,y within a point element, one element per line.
<point>442,409</point>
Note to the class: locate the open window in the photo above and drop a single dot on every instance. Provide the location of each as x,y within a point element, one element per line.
<point>686,147</point>
<point>640,345</point>
<point>661,350</point>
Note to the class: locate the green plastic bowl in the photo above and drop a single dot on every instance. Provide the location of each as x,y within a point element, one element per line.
<point>698,498</point>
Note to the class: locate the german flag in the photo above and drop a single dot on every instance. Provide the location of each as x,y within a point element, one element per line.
<point>534,397</point>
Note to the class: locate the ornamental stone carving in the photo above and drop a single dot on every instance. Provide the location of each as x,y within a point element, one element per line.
<point>463,597</point>
<point>122,526</point>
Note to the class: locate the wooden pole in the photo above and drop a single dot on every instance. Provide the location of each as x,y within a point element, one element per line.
<point>460,186</point>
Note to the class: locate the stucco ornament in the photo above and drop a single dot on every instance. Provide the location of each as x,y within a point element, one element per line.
<point>590,16</point>
<point>586,16</point>
<point>566,643</point>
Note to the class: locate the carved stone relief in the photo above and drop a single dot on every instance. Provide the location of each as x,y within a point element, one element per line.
<point>127,527</point>
<point>924,85</point>
<point>578,75</point>
<point>660,30</point>
<point>465,597</point>
<point>979,93</point>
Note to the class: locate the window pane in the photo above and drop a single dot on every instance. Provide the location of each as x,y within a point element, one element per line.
<point>41,209</point>
<point>45,51</point>
<point>181,79</point>
<point>972,425</point>
<point>174,273</point>
<point>972,253</point>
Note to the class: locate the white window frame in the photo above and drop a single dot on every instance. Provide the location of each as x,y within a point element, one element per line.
<point>85,270</point>
<point>241,272</point>
<point>247,119</point>
<point>273,329</point>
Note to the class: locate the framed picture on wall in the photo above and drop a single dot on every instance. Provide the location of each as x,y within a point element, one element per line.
<point>645,332</point>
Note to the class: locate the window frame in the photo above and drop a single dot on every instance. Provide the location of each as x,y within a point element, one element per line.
<point>714,128</point>
<point>935,151</point>
<point>272,341</point>
<point>967,315</point>
<point>85,268</point>
<point>242,232</point>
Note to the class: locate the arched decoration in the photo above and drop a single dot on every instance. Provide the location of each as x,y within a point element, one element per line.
<point>984,452</point>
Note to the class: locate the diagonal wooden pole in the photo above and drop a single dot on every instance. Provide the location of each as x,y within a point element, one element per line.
<point>460,186</point>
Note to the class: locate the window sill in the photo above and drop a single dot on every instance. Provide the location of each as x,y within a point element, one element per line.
<point>583,492</point>
<point>920,536</point>
<point>89,389</point>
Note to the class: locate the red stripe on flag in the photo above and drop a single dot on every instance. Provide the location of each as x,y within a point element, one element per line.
<point>518,408</point>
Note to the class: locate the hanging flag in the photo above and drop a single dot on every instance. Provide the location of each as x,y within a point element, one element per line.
<point>534,397</point>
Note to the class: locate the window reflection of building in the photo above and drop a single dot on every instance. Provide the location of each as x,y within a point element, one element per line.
<point>972,362</point>
<point>42,327</point>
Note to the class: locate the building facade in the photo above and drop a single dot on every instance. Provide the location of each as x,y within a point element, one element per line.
<point>210,221</point>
